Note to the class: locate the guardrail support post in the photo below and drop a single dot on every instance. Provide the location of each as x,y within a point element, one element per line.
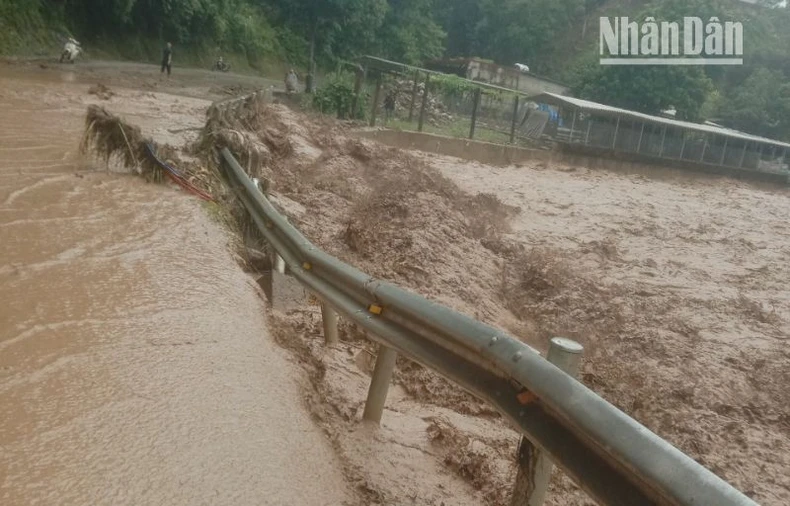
<point>279,264</point>
<point>329,318</point>
<point>380,384</point>
<point>534,468</point>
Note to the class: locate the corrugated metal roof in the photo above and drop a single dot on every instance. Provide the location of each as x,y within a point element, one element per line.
<point>616,111</point>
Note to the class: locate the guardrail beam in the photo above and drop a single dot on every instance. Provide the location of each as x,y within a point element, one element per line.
<point>613,458</point>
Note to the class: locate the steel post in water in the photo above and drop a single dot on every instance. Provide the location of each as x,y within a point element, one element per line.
<point>421,121</point>
<point>534,467</point>
<point>329,318</point>
<point>380,384</point>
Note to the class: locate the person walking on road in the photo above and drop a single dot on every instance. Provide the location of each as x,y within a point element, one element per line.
<point>291,82</point>
<point>167,59</point>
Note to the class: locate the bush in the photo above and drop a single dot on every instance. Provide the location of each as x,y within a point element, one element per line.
<point>337,95</point>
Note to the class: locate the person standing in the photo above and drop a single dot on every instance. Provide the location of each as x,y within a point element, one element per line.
<point>291,82</point>
<point>167,59</point>
<point>389,105</point>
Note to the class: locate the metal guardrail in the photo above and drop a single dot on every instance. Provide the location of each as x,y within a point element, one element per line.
<point>612,457</point>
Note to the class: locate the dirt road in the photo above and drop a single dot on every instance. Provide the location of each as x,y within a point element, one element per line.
<point>136,366</point>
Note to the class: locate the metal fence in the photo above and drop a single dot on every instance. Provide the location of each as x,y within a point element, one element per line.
<point>612,457</point>
<point>410,98</point>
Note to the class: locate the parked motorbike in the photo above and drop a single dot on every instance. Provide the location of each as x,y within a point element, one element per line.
<point>71,50</point>
<point>221,65</point>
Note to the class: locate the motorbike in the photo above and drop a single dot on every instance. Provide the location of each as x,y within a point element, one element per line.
<point>71,50</point>
<point>221,65</point>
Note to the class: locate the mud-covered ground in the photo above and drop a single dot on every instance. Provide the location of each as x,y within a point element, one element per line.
<point>673,282</point>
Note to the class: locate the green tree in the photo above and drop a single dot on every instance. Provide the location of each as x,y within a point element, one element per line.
<point>648,89</point>
<point>334,27</point>
<point>459,19</point>
<point>409,32</point>
<point>761,105</point>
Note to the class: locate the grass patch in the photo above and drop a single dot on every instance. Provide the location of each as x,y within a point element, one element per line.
<point>459,128</point>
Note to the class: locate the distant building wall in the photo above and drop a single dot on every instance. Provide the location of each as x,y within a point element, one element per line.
<point>489,72</point>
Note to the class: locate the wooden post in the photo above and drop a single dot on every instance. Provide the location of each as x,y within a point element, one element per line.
<point>421,121</point>
<point>514,120</point>
<point>414,95</point>
<point>534,468</point>
<point>475,106</point>
<point>376,97</point>
<point>360,80</point>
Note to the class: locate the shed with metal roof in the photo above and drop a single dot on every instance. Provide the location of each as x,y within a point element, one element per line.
<point>603,128</point>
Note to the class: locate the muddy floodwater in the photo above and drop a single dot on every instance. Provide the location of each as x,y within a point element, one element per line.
<point>135,361</point>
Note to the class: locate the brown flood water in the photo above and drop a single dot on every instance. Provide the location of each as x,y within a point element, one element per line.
<point>135,362</point>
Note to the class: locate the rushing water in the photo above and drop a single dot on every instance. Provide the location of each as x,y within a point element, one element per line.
<point>135,365</point>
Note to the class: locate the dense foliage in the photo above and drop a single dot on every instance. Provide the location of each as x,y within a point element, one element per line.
<point>557,38</point>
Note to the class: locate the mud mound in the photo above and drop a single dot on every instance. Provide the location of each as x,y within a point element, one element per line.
<point>379,208</point>
<point>472,460</point>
